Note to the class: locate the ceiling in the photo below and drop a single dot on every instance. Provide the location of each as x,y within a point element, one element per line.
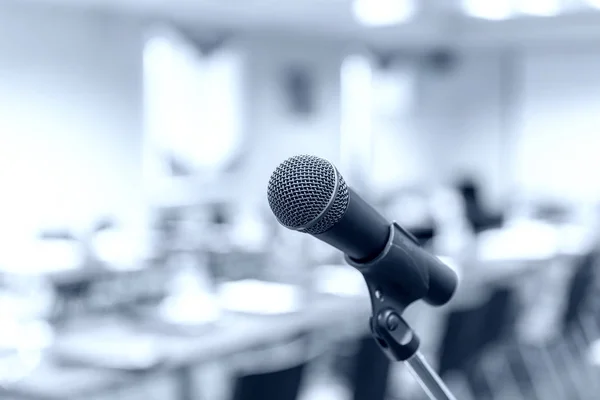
<point>440,23</point>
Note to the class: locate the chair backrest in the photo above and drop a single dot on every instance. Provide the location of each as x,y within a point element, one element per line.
<point>581,289</point>
<point>278,385</point>
<point>369,376</point>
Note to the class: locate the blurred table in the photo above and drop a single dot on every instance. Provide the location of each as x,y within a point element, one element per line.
<point>503,257</point>
<point>51,382</point>
<point>526,244</point>
<point>232,335</point>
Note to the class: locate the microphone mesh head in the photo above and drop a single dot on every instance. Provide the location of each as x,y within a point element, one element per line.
<point>301,188</point>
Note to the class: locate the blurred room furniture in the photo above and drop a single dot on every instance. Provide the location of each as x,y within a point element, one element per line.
<point>282,384</point>
<point>582,285</point>
<point>370,372</point>
<point>544,352</point>
<point>179,355</point>
<point>340,301</point>
<point>479,217</point>
<point>366,370</point>
<point>506,258</point>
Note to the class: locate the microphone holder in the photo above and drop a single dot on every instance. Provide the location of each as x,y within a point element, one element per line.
<point>392,333</point>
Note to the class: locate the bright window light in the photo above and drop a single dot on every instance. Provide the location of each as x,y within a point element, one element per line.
<point>383,12</point>
<point>356,113</point>
<point>540,8</point>
<point>193,103</point>
<point>489,9</point>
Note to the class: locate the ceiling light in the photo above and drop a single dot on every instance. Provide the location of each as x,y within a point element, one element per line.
<point>383,12</point>
<point>540,8</point>
<point>489,9</point>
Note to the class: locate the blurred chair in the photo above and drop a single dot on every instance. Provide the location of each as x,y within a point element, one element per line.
<point>469,324</point>
<point>461,340</point>
<point>361,365</point>
<point>479,218</point>
<point>500,316</point>
<point>277,385</point>
<point>365,370</point>
<point>551,366</point>
<point>274,371</point>
<point>581,289</point>
<point>469,332</point>
<point>369,375</point>
<point>472,330</point>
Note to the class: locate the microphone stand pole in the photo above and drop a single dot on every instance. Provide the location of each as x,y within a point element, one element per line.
<point>400,343</point>
<point>429,380</point>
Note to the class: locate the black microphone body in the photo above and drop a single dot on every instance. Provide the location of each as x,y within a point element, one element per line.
<point>309,195</point>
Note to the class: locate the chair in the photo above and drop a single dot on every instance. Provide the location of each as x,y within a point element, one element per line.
<point>469,332</point>
<point>281,380</point>
<point>365,371</point>
<point>460,340</point>
<point>580,290</point>
<point>555,368</point>
<point>278,385</point>
<point>370,371</point>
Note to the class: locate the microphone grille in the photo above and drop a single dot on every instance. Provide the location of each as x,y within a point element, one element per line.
<point>301,188</point>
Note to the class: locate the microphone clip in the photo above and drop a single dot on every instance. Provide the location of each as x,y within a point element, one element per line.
<point>392,333</point>
<point>402,274</point>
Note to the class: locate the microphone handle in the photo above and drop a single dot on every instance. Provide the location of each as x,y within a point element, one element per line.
<point>361,233</point>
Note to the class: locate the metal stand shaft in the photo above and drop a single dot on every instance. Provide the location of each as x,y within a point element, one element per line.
<point>429,380</point>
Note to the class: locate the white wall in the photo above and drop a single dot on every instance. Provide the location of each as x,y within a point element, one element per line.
<point>518,121</point>
<point>274,134</point>
<point>453,125</point>
<point>557,143</point>
<point>398,153</point>
<point>513,120</point>
<point>460,122</point>
<point>70,118</point>
<point>523,121</point>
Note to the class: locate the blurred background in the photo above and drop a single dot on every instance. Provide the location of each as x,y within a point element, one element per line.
<point>139,258</point>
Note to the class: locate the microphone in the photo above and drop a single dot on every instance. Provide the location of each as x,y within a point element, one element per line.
<point>308,194</point>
